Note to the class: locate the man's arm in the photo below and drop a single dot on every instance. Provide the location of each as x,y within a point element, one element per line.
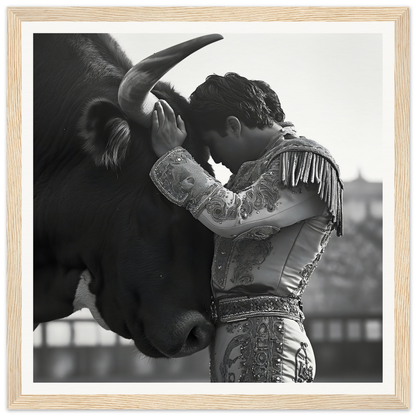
<point>229,214</point>
<point>177,175</point>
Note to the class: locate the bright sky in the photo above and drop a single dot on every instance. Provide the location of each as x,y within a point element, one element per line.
<point>329,84</point>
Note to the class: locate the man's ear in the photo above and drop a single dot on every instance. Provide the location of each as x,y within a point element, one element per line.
<point>233,126</point>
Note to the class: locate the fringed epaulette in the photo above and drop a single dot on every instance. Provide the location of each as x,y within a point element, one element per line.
<point>306,161</point>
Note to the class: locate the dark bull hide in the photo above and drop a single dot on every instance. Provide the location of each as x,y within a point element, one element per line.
<point>96,208</point>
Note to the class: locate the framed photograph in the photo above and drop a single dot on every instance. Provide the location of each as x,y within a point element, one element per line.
<point>342,78</point>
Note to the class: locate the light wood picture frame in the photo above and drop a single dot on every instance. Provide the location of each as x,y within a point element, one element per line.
<point>399,16</point>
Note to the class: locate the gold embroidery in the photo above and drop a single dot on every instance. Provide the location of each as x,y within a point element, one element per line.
<point>182,181</point>
<point>255,353</point>
<point>303,366</point>
<point>309,268</point>
<point>221,262</point>
<point>249,253</point>
<point>264,193</point>
<point>259,233</point>
<point>235,309</point>
<point>219,209</point>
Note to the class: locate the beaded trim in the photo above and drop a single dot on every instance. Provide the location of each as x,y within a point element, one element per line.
<point>235,309</point>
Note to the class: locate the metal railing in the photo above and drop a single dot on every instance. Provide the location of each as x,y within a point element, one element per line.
<point>347,348</point>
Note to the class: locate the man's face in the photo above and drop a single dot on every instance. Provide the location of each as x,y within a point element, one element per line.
<point>228,149</point>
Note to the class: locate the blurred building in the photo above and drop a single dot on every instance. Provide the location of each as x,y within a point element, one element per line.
<point>363,201</point>
<point>343,308</point>
<point>343,304</point>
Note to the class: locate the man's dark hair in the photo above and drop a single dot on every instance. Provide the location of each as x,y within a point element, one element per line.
<point>253,102</point>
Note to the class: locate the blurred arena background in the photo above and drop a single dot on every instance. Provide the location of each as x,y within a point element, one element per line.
<point>343,308</point>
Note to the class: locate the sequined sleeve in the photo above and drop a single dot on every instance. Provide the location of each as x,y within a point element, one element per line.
<point>260,210</point>
<point>183,181</point>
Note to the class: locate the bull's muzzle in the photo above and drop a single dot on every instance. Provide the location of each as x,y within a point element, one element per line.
<point>177,335</point>
<point>134,94</point>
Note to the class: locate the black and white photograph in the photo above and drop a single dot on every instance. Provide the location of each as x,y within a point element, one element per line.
<point>207,202</point>
<point>272,275</point>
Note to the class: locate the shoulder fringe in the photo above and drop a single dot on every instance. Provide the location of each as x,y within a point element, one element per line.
<point>309,167</point>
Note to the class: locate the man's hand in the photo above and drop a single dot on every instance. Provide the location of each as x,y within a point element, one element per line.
<point>168,131</point>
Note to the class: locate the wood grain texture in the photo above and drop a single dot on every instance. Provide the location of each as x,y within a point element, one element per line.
<point>197,14</point>
<point>401,208</point>
<point>398,15</point>
<point>14,207</point>
<point>205,402</point>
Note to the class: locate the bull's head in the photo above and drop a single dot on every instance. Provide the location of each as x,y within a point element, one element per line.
<point>154,284</point>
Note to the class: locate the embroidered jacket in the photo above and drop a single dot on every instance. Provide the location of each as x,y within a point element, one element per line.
<point>272,223</point>
<point>259,187</point>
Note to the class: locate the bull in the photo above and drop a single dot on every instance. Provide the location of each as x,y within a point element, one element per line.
<point>95,207</point>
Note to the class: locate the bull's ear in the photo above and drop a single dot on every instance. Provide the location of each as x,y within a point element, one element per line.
<point>106,133</point>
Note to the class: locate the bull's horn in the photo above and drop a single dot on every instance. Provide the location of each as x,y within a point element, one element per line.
<point>134,94</point>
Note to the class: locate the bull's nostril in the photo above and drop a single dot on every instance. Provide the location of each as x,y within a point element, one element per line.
<point>199,337</point>
<point>193,339</point>
<point>190,333</point>
<point>198,334</point>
